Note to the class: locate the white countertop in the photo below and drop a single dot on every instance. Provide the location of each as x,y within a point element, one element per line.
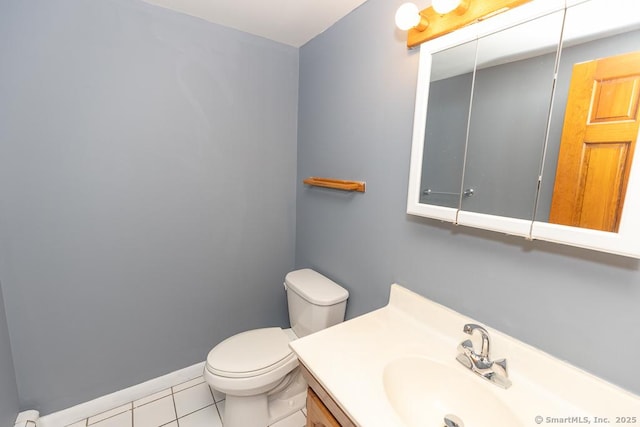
<point>349,359</point>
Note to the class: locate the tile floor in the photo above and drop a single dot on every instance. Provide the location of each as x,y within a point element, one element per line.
<point>190,404</point>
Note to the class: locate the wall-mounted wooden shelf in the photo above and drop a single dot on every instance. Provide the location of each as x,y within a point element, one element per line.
<point>338,184</point>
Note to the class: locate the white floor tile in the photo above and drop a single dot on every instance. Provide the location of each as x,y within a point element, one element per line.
<point>121,420</point>
<point>297,419</point>
<point>151,398</point>
<point>207,417</point>
<point>193,403</point>
<point>110,413</point>
<point>192,399</point>
<point>154,414</point>
<point>187,384</point>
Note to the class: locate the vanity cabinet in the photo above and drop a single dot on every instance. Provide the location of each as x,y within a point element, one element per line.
<point>317,414</point>
<point>322,410</point>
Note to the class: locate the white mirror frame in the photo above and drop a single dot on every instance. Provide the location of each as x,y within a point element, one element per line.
<point>625,242</point>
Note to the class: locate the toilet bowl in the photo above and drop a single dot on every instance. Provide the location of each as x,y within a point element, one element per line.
<point>257,370</point>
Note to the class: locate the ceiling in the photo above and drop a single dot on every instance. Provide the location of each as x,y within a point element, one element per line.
<point>292,22</point>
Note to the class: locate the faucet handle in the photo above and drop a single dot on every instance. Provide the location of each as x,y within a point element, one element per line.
<point>502,366</point>
<point>465,346</point>
<point>500,375</point>
<point>465,352</point>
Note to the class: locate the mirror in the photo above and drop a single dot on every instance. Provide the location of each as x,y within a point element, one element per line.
<point>612,44</point>
<point>448,108</point>
<point>512,93</point>
<point>510,161</point>
<point>606,215</point>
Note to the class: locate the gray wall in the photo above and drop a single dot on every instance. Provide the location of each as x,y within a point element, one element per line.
<point>147,191</point>
<point>9,401</point>
<point>8,387</point>
<point>357,85</point>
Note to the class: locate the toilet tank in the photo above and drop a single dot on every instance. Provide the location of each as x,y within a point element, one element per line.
<point>315,302</point>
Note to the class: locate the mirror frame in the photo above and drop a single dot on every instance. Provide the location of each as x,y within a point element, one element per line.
<point>625,242</point>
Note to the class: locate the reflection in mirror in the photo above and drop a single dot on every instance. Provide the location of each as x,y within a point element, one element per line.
<point>592,135</point>
<point>446,128</point>
<point>511,99</point>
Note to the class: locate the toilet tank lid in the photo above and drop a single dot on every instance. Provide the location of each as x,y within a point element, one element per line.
<point>315,288</point>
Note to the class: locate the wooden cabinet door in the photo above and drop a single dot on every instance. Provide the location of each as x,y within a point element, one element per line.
<point>598,140</point>
<point>317,414</point>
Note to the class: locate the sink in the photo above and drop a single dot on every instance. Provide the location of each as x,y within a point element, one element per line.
<point>423,391</point>
<point>396,367</point>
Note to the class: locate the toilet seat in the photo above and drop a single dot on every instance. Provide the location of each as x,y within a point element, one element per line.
<point>251,353</point>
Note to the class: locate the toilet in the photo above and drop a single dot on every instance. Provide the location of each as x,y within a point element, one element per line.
<point>257,370</point>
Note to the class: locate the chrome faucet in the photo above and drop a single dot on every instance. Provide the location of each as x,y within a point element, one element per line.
<point>451,420</point>
<point>493,371</point>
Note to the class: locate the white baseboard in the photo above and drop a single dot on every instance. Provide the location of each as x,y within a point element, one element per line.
<point>84,410</point>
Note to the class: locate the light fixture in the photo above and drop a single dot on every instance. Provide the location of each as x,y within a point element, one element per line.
<point>408,16</point>
<point>445,16</point>
<point>445,6</point>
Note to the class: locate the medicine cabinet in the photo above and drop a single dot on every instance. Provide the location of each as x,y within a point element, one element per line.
<point>526,124</point>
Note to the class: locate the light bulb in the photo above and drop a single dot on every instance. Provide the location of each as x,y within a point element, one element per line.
<point>444,6</point>
<point>407,16</point>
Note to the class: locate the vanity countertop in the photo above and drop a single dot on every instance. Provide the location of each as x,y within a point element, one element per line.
<point>349,359</point>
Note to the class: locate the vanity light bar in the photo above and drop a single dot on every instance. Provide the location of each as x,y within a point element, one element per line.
<point>439,25</point>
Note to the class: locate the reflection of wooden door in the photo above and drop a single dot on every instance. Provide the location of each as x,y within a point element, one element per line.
<point>598,139</point>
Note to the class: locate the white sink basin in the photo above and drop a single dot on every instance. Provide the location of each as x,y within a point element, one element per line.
<point>423,391</point>
<point>396,367</point>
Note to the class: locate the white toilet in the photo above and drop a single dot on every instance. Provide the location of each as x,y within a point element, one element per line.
<point>257,370</point>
